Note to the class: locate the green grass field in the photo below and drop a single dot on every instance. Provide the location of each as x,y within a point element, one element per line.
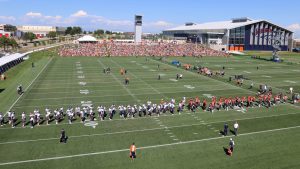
<point>268,138</point>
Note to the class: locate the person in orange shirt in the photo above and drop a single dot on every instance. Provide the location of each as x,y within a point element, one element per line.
<point>197,101</point>
<point>132,153</point>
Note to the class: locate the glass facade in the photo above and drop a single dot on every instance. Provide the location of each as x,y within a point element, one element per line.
<point>237,36</point>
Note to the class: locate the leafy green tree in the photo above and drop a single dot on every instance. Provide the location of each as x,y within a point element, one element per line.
<point>29,36</point>
<point>52,34</point>
<point>68,30</point>
<point>99,32</point>
<point>3,42</point>
<point>6,42</point>
<point>73,30</point>
<point>76,30</point>
<point>13,43</point>
<point>108,32</point>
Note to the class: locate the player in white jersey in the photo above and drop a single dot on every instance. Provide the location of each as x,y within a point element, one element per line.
<point>23,119</point>
<point>91,114</point>
<point>1,119</point>
<point>77,111</point>
<point>48,114</point>
<point>101,113</point>
<point>158,110</point>
<point>133,111</point>
<point>57,116</point>
<point>180,107</point>
<point>82,115</point>
<point>47,110</point>
<point>110,111</point>
<point>172,107</point>
<point>140,109</point>
<point>13,119</point>
<point>9,116</point>
<point>31,119</point>
<point>38,118</point>
<point>148,104</point>
<point>70,116</point>
<point>144,109</point>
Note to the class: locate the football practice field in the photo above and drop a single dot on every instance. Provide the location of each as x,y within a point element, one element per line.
<point>267,138</point>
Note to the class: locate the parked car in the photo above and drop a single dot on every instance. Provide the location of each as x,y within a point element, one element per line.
<point>296,50</point>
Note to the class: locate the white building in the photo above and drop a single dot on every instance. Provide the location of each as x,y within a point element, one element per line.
<point>236,34</point>
<point>39,31</point>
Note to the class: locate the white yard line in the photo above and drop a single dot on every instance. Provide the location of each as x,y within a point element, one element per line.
<point>145,147</point>
<point>28,86</point>
<point>133,131</point>
<point>78,97</point>
<point>180,87</point>
<point>116,79</point>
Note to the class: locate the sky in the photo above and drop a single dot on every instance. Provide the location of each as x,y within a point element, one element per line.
<point>118,15</point>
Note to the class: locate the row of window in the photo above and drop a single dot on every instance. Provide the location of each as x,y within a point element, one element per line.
<point>237,32</point>
<point>237,36</point>
<point>237,41</point>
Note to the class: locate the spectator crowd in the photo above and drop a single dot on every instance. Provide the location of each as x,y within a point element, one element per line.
<point>149,49</point>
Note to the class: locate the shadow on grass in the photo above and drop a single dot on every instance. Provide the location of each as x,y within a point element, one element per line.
<point>226,151</point>
<point>1,90</point>
<point>231,131</point>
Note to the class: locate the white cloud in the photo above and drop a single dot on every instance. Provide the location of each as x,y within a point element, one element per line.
<point>7,19</point>
<point>295,28</point>
<point>33,14</point>
<point>85,20</point>
<point>82,18</point>
<point>157,26</point>
<point>110,22</point>
<point>36,18</point>
<point>161,24</point>
<point>80,13</point>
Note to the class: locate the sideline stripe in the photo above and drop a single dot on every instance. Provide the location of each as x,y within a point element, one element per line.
<point>28,86</point>
<point>141,148</point>
<point>132,131</point>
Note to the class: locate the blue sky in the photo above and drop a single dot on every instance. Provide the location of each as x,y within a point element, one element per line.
<point>118,15</point>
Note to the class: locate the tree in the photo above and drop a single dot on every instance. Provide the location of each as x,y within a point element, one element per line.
<point>108,32</point>
<point>73,30</point>
<point>99,32</point>
<point>68,30</point>
<point>76,30</point>
<point>12,42</point>
<point>29,36</point>
<point>52,34</point>
<point>5,42</point>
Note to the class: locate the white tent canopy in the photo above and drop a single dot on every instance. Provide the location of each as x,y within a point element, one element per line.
<point>9,58</point>
<point>87,38</point>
